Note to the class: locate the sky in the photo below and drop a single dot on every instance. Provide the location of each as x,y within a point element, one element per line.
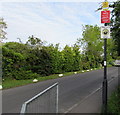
<point>51,21</point>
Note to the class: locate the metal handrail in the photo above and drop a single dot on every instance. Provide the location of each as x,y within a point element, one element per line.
<point>23,110</point>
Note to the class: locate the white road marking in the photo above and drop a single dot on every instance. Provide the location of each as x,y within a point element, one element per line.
<point>87,97</point>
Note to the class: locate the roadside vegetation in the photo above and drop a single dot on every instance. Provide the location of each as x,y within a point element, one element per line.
<point>35,59</point>
<point>22,62</point>
<point>10,83</point>
<point>114,102</point>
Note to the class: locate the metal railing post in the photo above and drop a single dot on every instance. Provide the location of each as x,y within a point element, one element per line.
<point>57,99</point>
<point>23,110</point>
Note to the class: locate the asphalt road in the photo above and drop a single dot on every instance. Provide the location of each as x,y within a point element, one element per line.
<point>73,90</point>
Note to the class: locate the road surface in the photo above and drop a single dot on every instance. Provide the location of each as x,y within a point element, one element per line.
<point>77,93</point>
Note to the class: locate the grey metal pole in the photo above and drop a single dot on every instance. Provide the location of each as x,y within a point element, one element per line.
<point>57,99</point>
<point>105,83</point>
<point>23,110</point>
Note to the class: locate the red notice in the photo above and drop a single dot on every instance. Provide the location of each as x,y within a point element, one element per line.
<point>105,16</point>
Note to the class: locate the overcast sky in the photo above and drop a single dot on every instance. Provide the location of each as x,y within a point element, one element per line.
<point>55,22</point>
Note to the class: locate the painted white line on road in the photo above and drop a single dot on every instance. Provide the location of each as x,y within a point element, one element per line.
<point>75,105</point>
<point>82,100</point>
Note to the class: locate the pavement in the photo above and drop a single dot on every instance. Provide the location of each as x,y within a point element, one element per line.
<point>78,93</point>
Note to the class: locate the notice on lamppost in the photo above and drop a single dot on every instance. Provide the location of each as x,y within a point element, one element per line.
<point>105,16</point>
<point>105,5</point>
<point>105,32</point>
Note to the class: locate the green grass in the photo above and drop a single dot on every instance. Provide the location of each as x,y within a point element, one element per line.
<point>114,103</point>
<point>10,83</point>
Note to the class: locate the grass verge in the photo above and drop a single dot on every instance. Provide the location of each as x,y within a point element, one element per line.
<point>114,103</point>
<point>10,83</point>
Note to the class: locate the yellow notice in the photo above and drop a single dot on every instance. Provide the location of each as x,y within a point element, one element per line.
<point>105,4</point>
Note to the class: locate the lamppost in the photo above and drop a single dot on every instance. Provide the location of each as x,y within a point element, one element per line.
<point>105,33</point>
<point>105,83</point>
<point>105,18</point>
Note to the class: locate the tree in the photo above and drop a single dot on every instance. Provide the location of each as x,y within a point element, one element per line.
<point>92,46</point>
<point>3,26</point>
<point>56,58</point>
<point>16,61</point>
<point>13,57</point>
<point>77,58</point>
<point>92,39</point>
<point>116,25</point>
<point>111,52</point>
<point>34,41</point>
<point>68,59</point>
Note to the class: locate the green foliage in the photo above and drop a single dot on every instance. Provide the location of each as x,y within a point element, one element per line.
<point>56,58</point>
<point>26,61</point>
<point>13,59</point>
<point>91,37</point>
<point>22,74</point>
<point>3,26</point>
<point>76,58</point>
<point>20,59</point>
<point>34,42</point>
<point>118,57</point>
<point>116,25</point>
<point>9,83</point>
<point>68,59</point>
<point>92,47</point>
<point>114,103</point>
<point>44,64</point>
<point>110,52</point>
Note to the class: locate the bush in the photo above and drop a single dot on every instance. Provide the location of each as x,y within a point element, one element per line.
<point>114,103</point>
<point>118,58</point>
<point>19,58</point>
<point>111,62</point>
<point>86,65</point>
<point>22,75</point>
